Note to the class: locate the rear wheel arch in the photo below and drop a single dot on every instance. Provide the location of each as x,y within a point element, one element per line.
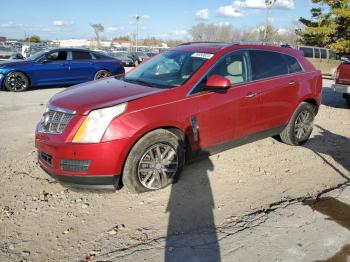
<point>313,102</point>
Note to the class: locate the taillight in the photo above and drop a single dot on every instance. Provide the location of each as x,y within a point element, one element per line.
<point>337,74</point>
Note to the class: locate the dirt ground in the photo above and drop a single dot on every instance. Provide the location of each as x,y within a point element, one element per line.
<point>41,220</point>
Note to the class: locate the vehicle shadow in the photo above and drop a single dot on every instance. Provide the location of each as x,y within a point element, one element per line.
<point>332,99</point>
<point>191,233</point>
<point>333,145</point>
<point>338,212</point>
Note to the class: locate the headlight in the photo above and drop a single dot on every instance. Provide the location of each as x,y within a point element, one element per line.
<point>96,123</point>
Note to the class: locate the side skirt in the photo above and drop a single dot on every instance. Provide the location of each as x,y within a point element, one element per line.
<point>205,152</point>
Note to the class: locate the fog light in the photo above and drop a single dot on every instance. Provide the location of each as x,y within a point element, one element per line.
<point>75,165</point>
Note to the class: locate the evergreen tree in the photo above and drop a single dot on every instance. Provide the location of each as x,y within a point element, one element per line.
<point>329,26</point>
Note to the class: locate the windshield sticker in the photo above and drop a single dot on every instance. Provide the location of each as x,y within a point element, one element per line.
<point>202,55</point>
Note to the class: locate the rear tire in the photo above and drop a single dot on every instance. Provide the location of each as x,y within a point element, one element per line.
<point>154,162</point>
<point>300,125</point>
<point>102,74</point>
<point>16,82</point>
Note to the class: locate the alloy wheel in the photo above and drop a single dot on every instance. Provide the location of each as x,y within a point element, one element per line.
<point>102,74</point>
<point>17,82</point>
<point>303,125</point>
<point>157,166</point>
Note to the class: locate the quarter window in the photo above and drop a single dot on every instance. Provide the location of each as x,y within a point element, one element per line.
<point>293,64</point>
<point>78,55</point>
<point>267,64</point>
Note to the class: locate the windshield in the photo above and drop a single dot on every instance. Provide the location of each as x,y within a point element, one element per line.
<point>169,69</point>
<point>36,55</point>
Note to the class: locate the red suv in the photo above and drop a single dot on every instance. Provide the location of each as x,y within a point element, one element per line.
<point>196,99</point>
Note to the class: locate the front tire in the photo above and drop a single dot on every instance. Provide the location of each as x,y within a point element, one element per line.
<point>154,162</point>
<point>300,125</point>
<point>16,82</point>
<point>102,74</point>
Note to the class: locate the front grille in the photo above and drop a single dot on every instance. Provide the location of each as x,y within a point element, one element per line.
<point>54,121</point>
<point>75,165</point>
<point>46,158</point>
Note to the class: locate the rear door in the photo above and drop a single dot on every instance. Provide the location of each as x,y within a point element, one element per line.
<point>277,85</point>
<point>81,66</point>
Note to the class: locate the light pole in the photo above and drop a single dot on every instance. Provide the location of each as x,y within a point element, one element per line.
<point>268,4</point>
<point>137,17</point>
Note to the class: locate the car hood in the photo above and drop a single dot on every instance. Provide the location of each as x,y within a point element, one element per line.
<point>14,63</point>
<point>99,94</point>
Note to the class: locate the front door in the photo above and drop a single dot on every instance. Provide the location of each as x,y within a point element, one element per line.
<point>224,116</point>
<point>51,69</point>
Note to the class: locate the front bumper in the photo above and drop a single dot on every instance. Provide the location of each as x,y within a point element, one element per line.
<point>339,88</point>
<point>102,167</point>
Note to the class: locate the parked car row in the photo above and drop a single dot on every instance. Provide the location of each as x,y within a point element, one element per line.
<point>194,100</point>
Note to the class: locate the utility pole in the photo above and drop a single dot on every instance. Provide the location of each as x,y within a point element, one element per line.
<point>268,5</point>
<point>137,17</point>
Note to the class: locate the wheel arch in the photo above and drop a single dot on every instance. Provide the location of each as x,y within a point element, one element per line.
<point>181,134</point>
<point>313,102</point>
<point>20,71</point>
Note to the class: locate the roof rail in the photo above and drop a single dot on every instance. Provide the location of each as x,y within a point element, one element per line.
<point>203,42</point>
<point>281,44</point>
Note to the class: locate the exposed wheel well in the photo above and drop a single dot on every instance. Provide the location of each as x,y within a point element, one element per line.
<point>314,103</point>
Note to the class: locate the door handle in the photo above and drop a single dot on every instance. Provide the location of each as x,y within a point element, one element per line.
<point>250,95</point>
<point>292,82</point>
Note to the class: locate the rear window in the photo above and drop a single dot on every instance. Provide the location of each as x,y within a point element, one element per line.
<point>79,55</point>
<point>307,51</point>
<point>267,64</point>
<point>293,64</point>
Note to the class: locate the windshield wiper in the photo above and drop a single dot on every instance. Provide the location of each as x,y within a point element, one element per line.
<point>137,81</point>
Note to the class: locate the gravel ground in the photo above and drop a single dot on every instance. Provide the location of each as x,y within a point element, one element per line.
<point>40,220</point>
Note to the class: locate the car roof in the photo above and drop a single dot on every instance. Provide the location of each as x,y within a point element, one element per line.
<point>70,49</point>
<point>214,47</point>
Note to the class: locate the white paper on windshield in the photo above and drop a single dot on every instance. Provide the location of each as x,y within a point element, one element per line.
<point>202,55</point>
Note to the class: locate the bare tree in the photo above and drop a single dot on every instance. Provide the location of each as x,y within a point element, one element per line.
<point>98,28</point>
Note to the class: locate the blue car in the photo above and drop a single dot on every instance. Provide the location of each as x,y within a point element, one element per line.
<point>58,67</point>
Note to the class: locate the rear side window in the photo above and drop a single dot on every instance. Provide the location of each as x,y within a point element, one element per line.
<point>293,64</point>
<point>267,64</point>
<point>79,55</point>
<point>323,53</point>
<point>307,51</point>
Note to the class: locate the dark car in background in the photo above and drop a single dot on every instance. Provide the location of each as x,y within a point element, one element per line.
<point>138,57</point>
<point>65,66</point>
<point>123,57</point>
<point>7,53</point>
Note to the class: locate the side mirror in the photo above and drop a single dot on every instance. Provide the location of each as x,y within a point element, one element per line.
<point>217,82</point>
